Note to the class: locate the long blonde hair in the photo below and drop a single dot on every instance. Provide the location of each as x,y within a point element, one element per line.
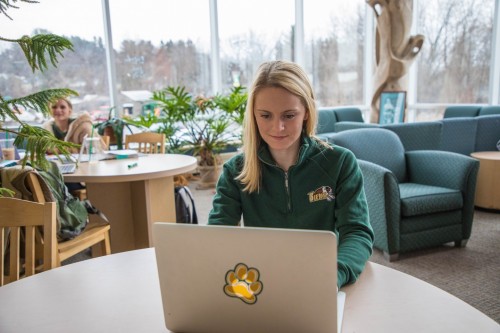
<point>279,74</point>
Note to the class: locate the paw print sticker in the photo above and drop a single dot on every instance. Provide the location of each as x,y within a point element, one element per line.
<point>243,283</point>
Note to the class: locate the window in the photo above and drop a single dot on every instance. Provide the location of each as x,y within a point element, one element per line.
<point>159,44</point>
<point>252,32</point>
<point>334,38</point>
<point>454,64</point>
<point>83,70</point>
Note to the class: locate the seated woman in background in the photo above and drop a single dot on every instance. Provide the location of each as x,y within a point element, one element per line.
<point>287,178</point>
<point>66,128</point>
<point>69,129</point>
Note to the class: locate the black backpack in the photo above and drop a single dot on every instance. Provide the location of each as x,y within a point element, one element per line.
<point>185,209</point>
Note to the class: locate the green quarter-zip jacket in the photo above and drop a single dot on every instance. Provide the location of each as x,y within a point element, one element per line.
<point>322,191</point>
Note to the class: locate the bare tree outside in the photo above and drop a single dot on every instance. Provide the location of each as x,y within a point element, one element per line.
<point>453,66</point>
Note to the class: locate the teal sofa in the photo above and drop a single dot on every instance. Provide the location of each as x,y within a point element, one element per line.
<point>463,135</point>
<point>455,111</point>
<point>329,117</point>
<point>416,199</point>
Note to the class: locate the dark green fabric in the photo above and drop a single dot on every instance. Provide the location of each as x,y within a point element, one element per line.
<point>72,216</point>
<point>348,125</point>
<point>319,170</point>
<point>461,111</point>
<point>326,121</point>
<point>489,110</point>
<point>418,136</point>
<point>376,145</point>
<point>349,114</point>
<point>418,199</point>
<point>449,178</point>
<point>60,135</point>
<point>430,238</point>
<point>488,133</point>
<point>382,196</point>
<point>429,222</point>
<point>458,135</point>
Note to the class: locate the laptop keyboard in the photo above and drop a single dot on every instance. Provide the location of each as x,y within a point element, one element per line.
<point>67,168</point>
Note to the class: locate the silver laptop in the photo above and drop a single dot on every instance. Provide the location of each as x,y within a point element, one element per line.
<point>242,279</point>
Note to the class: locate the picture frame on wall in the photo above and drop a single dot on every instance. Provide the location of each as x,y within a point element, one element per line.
<point>392,107</point>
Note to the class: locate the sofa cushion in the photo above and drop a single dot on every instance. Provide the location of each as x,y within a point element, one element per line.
<point>458,135</point>
<point>418,199</point>
<point>461,111</point>
<point>349,114</point>
<point>418,136</point>
<point>326,121</point>
<point>488,133</point>
<point>375,145</point>
<point>489,110</point>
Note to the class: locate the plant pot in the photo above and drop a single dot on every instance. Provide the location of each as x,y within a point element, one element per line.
<point>208,176</point>
<point>108,130</point>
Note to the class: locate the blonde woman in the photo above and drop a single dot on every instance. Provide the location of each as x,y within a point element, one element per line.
<point>287,178</point>
<point>66,128</point>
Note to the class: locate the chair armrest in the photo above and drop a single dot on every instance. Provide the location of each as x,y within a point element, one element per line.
<point>442,168</point>
<point>382,194</point>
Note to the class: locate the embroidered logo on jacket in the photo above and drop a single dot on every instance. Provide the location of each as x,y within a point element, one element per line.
<point>321,193</point>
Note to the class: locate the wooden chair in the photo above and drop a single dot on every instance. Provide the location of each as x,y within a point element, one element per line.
<point>149,142</point>
<point>105,140</point>
<point>15,215</point>
<point>19,213</point>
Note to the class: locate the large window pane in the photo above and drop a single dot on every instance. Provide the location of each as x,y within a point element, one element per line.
<point>454,64</point>
<point>252,32</point>
<point>82,70</point>
<point>334,37</point>
<point>159,44</point>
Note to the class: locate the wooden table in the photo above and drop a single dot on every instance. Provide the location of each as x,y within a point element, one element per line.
<point>133,198</point>
<point>121,293</point>
<point>488,179</point>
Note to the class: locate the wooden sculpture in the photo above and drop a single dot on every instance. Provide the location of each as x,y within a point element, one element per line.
<point>395,49</point>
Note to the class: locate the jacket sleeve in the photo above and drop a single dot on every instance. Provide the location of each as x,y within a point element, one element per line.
<point>353,227</point>
<point>226,206</point>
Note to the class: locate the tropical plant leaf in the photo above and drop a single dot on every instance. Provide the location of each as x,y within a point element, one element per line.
<point>37,142</point>
<point>38,101</point>
<point>6,4</point>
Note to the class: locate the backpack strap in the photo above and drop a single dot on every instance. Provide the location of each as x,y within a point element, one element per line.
<point>187,191</point>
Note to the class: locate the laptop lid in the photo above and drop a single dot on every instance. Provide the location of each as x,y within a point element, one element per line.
<point>234,279</point>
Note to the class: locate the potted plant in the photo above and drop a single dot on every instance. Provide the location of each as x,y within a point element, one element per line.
<point>234,104</point>
<point>113,127</point>
<point>203,129</point>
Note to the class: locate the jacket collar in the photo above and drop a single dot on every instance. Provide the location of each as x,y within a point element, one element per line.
<point>266,157</point>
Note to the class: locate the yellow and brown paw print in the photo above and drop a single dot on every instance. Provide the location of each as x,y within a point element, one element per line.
<point>243,283</point>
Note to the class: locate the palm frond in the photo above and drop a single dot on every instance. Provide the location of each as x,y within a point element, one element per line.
<point>37,48</point>
<point>38,101</point>
<point>38,141</point>
<point>7,4</point>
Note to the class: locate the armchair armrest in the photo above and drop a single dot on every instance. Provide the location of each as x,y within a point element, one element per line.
<point>382,194</point>
<point>442,168</point>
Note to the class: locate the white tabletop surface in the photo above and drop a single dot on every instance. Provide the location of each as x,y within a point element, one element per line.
<point>120,293</point>
<point>149,166</point>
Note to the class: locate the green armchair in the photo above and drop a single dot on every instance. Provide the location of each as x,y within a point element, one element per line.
<point>416,199</point>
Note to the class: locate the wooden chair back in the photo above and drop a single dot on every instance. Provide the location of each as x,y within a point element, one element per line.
<point>93,234</point>
<point>149,142</point>
<point>105,140</point>
<point>19,222</point>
